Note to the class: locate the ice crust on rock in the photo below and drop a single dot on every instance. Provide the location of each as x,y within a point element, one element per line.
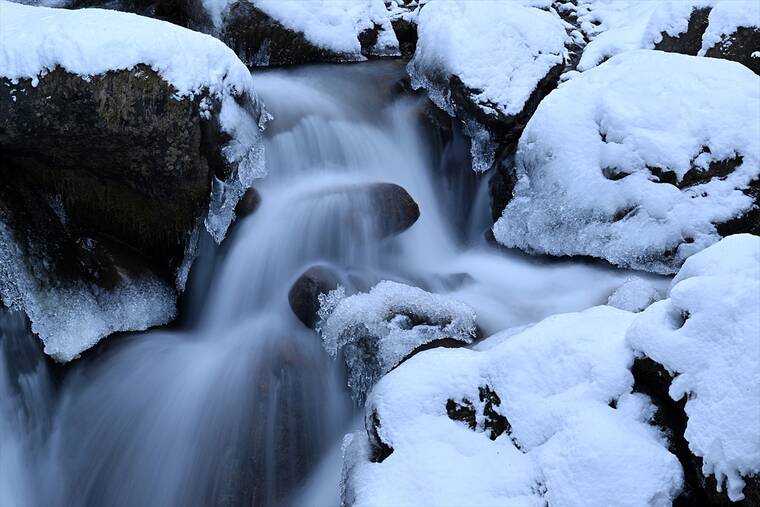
<point>377,330</point>
<point>565,444</point>
<point>515,47</point>
<point>330,24</point>
<point>617,163</point>
<point>706,334</point>
<point>70,319</point>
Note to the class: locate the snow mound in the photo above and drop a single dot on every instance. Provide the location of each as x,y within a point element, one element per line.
<point>526,422</point>
<point>377,330</point>
<point>637,160</point>
<point>634,295</point>
<point>515,48</point>
<point>330,24</point>
<point>90,42</point>
<point>706,333</point>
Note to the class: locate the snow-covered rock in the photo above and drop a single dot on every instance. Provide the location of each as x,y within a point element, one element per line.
<point>489,64</point>
<point>543,415</point>
<point>642,161</point>
<point>727,29</point>
<point>273,32</point>
<point>376,331</point>
<point>706,336</point>
<point>121,134</point>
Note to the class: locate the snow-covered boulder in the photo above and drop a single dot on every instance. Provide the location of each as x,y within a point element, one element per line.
<point>120,136</point>
<point>706,338</point>
<point>727,29</point>
<point>541,415</point>
<point>488,64</point>
<point>273,32</point>
<point>642,161</point>
<point>634,295</point>
<point>376,331</point>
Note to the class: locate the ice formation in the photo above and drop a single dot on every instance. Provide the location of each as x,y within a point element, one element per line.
<point>706,335</point>
<point>551,388</point>
<point>376,330</point>
<point>637,160</point>
<point>515,48</point>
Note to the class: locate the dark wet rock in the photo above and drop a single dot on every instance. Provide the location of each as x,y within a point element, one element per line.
<point>187,13</point>
<point>406,33</point>
<point>501,185</point>
<point>652,379</point>
<point>376,209</point>
<point>124,156</point>
<point>394,209</point>
<point>260,40</point>
<point>248,204</point>
<point>379,450</point>
<point>493,421</point>
<point>690,41</point>
<point>739,47</point>
<point>304,293</point>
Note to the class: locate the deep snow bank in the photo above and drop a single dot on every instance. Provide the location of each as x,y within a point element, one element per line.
<point>638,161</point>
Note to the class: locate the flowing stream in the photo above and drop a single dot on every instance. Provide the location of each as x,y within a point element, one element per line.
<point>238,404</point>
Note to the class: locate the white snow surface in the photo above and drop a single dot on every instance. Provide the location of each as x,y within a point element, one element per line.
<point>726,17</point>
<point>555,380</point>
<point>329,24</point>
<point>641,109</point>
<point>617,26</point>
<point>634,295</point>
<point>501,49</point>
<point>388,313</point>
<point>706,334</point>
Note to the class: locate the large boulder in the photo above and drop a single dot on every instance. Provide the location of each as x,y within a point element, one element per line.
<point>699,360</point>
<point>534,416</point>
<point>491,83</point>
<point>638,161</point>
<point>112,162</point>
<point>265,32</point>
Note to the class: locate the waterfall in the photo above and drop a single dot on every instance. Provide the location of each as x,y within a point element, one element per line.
<point>238,404</point>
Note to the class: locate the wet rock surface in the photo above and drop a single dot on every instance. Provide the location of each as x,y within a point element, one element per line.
<point>126,159</point>
<point>304,294</point>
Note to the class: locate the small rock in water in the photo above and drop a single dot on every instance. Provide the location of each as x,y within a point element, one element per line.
<point>303,295</point>
<point>248,204</point>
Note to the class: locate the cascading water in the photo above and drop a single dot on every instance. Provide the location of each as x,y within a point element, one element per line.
<point>239,405</point>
